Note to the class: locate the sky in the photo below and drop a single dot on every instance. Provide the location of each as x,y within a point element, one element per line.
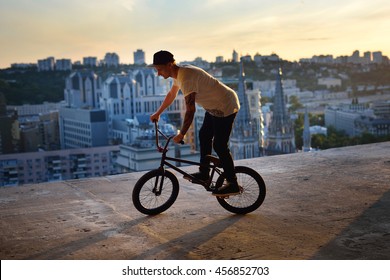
<point>293,29</point>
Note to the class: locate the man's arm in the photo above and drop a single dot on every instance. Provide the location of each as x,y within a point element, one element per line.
<point>171,95</point>
<point>188,117</point>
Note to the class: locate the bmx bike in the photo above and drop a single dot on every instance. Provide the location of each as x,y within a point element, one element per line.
<point>158,189</point>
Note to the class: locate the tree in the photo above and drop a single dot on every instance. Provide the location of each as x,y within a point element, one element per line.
<point>295,104</point>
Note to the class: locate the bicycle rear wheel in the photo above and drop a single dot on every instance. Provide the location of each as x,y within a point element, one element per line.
<point>253,191</point>
<point>155,192</point>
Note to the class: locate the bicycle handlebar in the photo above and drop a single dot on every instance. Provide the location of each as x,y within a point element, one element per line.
<point>168,138</point>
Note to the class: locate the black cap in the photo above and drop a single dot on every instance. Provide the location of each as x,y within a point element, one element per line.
<point>162,58</point>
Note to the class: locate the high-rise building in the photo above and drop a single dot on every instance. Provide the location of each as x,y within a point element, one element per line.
<point>90,61</point>
<point>355,58</point>
<point>46,64</point>
<point>139,57</point>
<point>83,128</point>
<point>367,58</point>
<point>63,65</point>
<point>235,56</point>
<point>219,59</point>
<point>82,124</point>
<point>377,57</point>
<point>111,60</point>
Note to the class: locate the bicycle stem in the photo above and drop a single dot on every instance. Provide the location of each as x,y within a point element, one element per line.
<point>159,148</point>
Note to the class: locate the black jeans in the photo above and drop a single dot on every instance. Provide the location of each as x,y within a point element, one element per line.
<point>215,133</point>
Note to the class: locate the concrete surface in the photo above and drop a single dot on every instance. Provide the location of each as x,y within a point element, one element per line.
<point>333,204</point>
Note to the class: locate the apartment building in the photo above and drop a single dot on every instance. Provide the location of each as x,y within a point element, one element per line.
<point>91,61</point>
<point>46,64</point>
<point>63,65</point>
<point>139,57</point>
<point>35,109</point>
<point>51,64</point>
<point>37,167</point>
<point>83,128</point>
<point>142,155</point>
<point>356,119</point>
<point>111,60</point>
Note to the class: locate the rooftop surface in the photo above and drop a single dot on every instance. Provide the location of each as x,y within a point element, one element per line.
<point>331,204</point>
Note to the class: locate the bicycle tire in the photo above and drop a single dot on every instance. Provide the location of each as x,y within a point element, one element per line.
<point>144,197</point>
<point>253,193</point>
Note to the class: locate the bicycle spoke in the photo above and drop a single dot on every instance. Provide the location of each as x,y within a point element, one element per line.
<point>150,199</point>
<point>252,195</point>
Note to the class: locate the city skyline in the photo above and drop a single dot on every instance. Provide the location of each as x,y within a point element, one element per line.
<point>293,29</point>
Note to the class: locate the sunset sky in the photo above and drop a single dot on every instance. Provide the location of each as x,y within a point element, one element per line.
<point>293,29</point>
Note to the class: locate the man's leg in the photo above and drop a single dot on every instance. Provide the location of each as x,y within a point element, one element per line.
<point>222,130</point>
<point>206,133</point>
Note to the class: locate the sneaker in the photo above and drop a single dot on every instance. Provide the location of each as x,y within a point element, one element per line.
<point>200,176</point>
<point>230,188</point>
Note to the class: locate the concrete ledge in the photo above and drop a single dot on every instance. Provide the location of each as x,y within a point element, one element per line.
<point>332,204</point>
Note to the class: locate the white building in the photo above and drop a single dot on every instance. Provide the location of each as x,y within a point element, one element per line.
<point>267,87</point>
<point>139,57</point>
<point>111,60</point>
<point>35,109</point>
<point>135,94</point>
<point>90,61</point>
<point>46,64</point>
<point>343,117</point>
<point>82,90</point>
<point>63,64</point>
<point>329,82</point>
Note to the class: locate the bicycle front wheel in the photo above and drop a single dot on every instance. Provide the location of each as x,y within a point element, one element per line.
<point>252,195</point>
<point>155,192</point>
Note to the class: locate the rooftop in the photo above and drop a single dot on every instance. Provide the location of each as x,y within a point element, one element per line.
<point>331,204</point>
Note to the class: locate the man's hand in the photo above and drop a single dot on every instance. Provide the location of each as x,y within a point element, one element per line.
<point>155,117</point>
<point>178,138</point>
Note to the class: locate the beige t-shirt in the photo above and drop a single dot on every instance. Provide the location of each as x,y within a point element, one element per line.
<point>215,97</point>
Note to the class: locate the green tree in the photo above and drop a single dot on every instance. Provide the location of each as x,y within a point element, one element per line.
<point>295,104</point>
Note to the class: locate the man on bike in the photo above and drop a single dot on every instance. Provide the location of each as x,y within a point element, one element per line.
<point>221,104</point>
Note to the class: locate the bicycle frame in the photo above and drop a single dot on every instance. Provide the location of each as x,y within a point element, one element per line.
<point>158,189</point>
<point>165,161</point>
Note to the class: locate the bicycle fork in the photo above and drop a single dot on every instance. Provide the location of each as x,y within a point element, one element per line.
<point>158,184</point>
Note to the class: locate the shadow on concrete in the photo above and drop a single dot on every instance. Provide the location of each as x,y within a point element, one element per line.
<point>367,238</point>
<point>64,250</point>
<point>180,247</point>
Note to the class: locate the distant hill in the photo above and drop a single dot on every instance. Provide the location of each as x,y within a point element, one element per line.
<point>27,86</point>
<point>32,87</point>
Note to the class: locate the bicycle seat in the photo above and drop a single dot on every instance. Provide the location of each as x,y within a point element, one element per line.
<point>214,160</point>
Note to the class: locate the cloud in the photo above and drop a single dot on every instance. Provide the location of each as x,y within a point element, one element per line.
<point>128,4</point>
